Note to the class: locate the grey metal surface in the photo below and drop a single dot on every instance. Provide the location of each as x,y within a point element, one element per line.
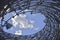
<point>51,9</point>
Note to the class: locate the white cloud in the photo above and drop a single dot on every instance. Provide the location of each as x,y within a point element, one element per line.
<point>19,32</point>
<point>22,21</point>
<point>32,21</point>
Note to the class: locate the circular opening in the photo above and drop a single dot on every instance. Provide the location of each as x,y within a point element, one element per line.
<point>25,24</point>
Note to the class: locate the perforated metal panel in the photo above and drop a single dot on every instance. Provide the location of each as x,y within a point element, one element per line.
<point>51,10</point>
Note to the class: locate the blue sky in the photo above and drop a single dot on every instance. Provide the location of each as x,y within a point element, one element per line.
<point>37,25</point>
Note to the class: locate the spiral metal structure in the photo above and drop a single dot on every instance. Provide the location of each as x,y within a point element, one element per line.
<point>49,8</point>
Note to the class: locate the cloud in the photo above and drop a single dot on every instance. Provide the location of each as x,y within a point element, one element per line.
<point>19,32</point>
<point>22,21</point>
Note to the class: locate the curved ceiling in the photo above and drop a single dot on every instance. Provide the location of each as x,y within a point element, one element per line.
<point>50,9</point>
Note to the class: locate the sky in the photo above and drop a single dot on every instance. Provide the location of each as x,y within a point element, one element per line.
<point>25,24</point>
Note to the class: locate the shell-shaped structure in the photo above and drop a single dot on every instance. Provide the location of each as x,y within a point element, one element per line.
<point>49,8</point>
